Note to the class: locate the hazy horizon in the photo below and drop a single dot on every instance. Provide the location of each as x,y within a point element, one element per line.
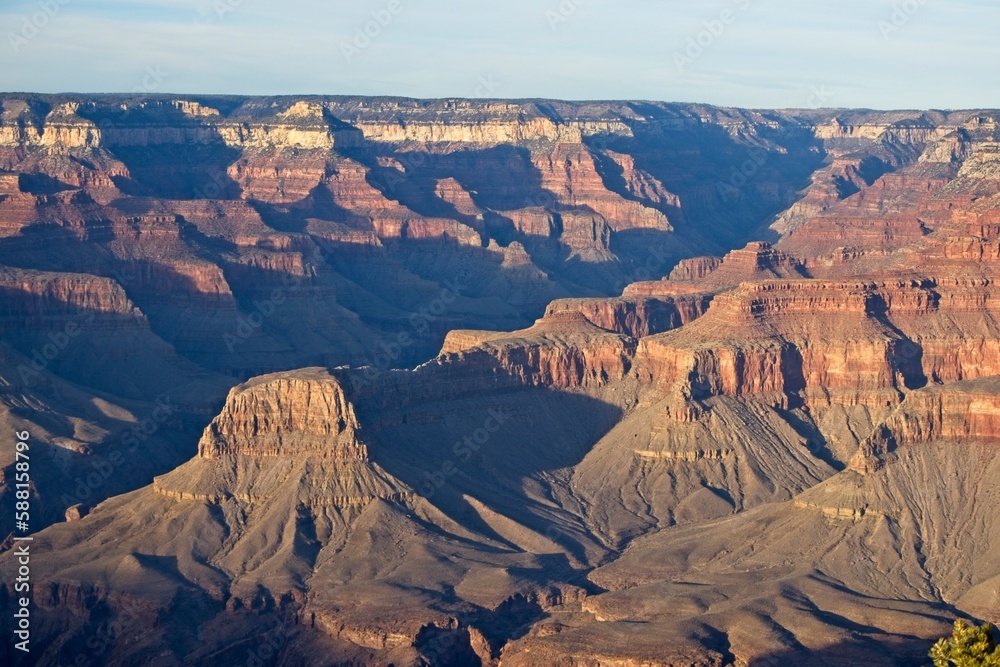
<point>911,54</point>
<point>297,96</point>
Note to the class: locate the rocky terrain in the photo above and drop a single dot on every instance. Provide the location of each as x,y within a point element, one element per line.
<point>371,381</point>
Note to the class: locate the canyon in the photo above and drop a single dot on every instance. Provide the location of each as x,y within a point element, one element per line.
<point>380,381</point>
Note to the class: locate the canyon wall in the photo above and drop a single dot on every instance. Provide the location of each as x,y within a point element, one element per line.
<point>500,380</point>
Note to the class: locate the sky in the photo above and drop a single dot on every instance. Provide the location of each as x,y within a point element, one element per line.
<point>887,54</point>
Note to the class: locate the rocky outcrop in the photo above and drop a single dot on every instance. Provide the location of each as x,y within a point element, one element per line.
<point>534,221</point>
<point>694,269</point>
<point>10,184</point>
<point>860,154</point>
<point>34,299</point>
<point>919,193</point>
<point>825,341</point>
<point>276,416</point>
<point>636,317</point>
<point>64,129</point>
<point>757,261</point>
<point>276,177</point>
<point>303,421</point>
<point>570,172</point>
<point>460,340</point>
<point>965,413</point>
<point>489,132</point>
<point>563,350</point>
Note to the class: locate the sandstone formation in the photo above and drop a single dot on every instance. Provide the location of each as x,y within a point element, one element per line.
<point>393,382</point>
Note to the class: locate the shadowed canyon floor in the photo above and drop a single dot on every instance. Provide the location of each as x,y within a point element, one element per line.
<point>370,381</point>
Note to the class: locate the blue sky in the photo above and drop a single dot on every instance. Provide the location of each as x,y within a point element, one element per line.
<point>751,53</point>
